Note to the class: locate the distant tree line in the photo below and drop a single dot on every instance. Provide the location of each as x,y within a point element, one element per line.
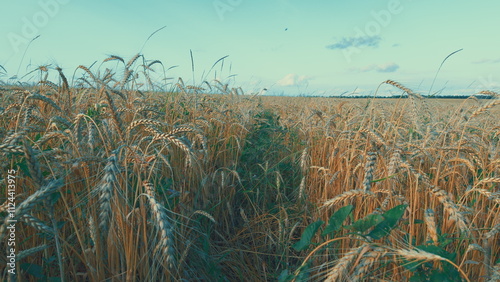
<point>403,96</point>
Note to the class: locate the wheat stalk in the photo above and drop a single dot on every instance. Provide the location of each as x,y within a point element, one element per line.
<point>37,224</point>
<point>85,69</point>
<point>144,122</point>
<point>92,230</point>
<point>7,148</point>
<point>181,129</point>
<point>467,163</point>
<point>60,120</point>
<point>105,191</point>
<point>114,112</point>
<point>339,271</point>
<point>400,86</point>
<point>421,255</point>
<point>488,180</point>
<point>14,137</point>
<point>303,160</point>
<point>12,106</point>
<point>44,99</point>
<point>395,162</point>
<point>28,115</point>
<point>178,142</point>
<point>51,135</point>
<point>346,196</point>
<point>443,198</point>
<point>488,92</point>
<point>369,168</point>
<point>484,108</point>
<point>92,135</point>
<point>205,214</point>
<point>429,220</point>
<point>452,209</point>
<point>132,60</point>
<point>366,262</point>
<point>302,187</point>
<point>39,196</point>
<point>496,274</point>
<point>26,253</point>
<point>495,197</point>
<point>49,83</point>
<point>164,225</point>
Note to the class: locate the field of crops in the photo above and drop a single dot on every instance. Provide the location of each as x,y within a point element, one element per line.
<point>118,182</point>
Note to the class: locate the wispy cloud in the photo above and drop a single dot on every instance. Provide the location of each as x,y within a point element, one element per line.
<point>294,79</point>
<point>487,61</point>
<point>387,67</point>
<point>363,41</point>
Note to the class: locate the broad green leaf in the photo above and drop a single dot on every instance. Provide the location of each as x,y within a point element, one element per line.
<point>416,221</point>
<point>33,269</point>
<point>337,219</point>
<point>285,276</point>
<point>391,218</point>
<point>308,234</point>
<point>366,223</point>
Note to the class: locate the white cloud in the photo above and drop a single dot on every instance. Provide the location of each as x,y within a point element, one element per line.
<point>347,42</point>
<point>294,79</point>
<point>487,61</point>
<point>387,67</point>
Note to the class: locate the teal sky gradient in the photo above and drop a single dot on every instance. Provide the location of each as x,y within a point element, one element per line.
<point>287,46</point>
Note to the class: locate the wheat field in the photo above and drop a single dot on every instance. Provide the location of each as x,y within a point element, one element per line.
<point>118,181</point>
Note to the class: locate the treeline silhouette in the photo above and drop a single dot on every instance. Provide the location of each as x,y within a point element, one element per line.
<point>478,96</point>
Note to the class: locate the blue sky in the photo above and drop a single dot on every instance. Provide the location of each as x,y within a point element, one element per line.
<point>287,46</point>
